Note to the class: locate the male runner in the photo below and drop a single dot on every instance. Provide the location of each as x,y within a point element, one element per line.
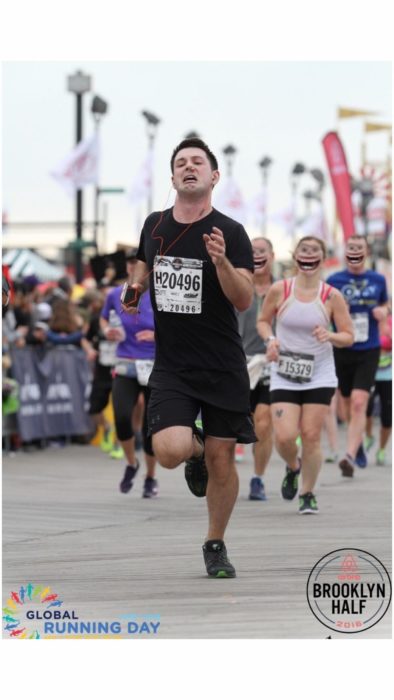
<point>199,265</point>
<point>366,294</point>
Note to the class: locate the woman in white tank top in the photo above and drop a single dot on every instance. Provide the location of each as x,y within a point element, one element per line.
<point>303,378</point>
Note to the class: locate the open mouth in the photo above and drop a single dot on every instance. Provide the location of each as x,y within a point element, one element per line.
<point>308,264</point>
<point>259,263</point>
<point>355,259</point>
<point>190,178</point>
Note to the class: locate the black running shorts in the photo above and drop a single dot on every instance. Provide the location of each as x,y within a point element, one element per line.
<point>321,395</point>
<point>355,369</point>
<point>260,394</point>
<point>169,407</point>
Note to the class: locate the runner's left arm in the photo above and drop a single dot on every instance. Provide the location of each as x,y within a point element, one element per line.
<point>344,335</point>
<point>236,282</point>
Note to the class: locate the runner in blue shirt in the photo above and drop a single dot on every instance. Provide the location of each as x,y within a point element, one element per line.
<point>366,294</point>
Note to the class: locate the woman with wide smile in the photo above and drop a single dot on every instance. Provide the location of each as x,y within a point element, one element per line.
<point>303,378</point>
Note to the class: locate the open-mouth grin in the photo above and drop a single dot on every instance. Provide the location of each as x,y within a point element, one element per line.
<point>259,263</point>
<point>354,259</point>
<point>308,264</point>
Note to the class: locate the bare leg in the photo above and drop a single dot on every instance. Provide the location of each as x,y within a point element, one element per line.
<point>369,426</point>
<point>174,445</point>
<point>129,450</point>
<point>312,420</point>
<point>263,428</point>
<point>331,425</point>
<point>222,489</point>
<point>285,420</point>
<point>384,437</point>
<point>358,416</point>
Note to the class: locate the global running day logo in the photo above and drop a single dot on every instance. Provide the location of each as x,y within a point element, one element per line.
<point>16,618</point>
<point>35,612</point>
<point>349,590</point>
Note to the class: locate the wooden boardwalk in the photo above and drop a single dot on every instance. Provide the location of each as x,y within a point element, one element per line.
<point>66,525</point>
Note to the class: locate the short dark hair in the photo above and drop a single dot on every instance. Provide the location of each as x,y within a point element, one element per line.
<point>358,237</point>
<point>195,143</point>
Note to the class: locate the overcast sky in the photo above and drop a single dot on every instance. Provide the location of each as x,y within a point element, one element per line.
<point>279,109</point>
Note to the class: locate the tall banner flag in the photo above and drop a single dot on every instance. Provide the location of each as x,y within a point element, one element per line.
<point>142,183</point>
<point>337,165</point>
<point>229,201</point>
<point>80,167</point>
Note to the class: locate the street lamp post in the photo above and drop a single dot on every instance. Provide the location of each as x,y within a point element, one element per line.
<point>264,165</point>
<point>99,108</point>
<point>79,83</point>
<point>152,122</point>
<point>229,153</point>
<point>296,172</point>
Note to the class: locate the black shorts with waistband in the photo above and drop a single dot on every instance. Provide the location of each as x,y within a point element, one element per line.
<point>319,395</point>
<point>355,369</point>
<point>177,399</point>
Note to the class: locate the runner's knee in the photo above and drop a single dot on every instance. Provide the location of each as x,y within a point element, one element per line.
<point>171,453</point>
<point>359,403</point>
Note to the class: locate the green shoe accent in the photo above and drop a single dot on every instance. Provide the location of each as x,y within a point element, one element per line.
<point>198,423</point>
<point>381,458</point>
<point>106,444</point>
<point>221,574</point>
<point>368,442</point>
<point>117,453</point>
<point>299,441</point>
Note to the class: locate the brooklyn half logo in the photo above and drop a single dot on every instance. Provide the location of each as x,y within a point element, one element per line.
<point>349,590</point>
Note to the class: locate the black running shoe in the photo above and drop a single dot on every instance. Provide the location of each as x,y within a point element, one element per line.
<point>347,465</point>
<point>308,504</point>
<point>216,562</point>
<point>127,482</point>
<point>290,483</point>
<point>196,473</point>
<point>150,488</point>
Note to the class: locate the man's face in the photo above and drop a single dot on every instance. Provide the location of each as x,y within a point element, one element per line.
<point>193,174</point>
<point>262,257</point>
<point>355,254</point>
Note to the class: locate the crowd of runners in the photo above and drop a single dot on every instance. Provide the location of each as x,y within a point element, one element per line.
<point>204,350</point>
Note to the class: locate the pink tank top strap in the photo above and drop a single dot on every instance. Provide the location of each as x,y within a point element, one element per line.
<point>288,284</point>
<point>325,291</point>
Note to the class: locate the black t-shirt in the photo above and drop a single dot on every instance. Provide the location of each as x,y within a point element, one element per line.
<point>195,324</point>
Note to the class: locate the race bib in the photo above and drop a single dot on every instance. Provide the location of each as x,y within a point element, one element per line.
<point>143,369</point>
<point>296,366</point>
<point>360,327</point>
<point>107,353</point>
<point>178,284</point>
